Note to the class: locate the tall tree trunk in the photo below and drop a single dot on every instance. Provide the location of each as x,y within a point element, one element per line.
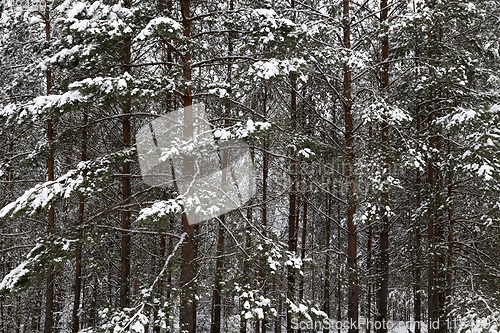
<point>437,266</point>
<point>265,175</point>
<point>292,232</point>
<point>303,238</point>
<point>436,274</point>
<point>246,268</point>
<point>430,235</point>
<point>126,186</point>
<point>188,300</point>
<point>188,295</point>
<point>437,270</point>
<point>277,328</point>
<point>81,210</point>
<point>369,274</point>
<point>166,5</point>
<point>326,282</point>
<point>449,268</point>
<point>292,214</point>
<point>219,265</point>
<point>339,258</point>
<point>440,260</point>
<point>352,308</point>
<point>418,273</point>
<point>49,296</point>
<point>383,265</point>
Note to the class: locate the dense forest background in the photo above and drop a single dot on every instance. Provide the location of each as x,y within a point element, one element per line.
<point>374,129</point>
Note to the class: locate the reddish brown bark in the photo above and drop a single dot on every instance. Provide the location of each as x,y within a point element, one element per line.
<point>292,232</point>
<point>352,298</point>
<point>449,265</point>
<point>49,295</point>
<point>126,186</point>
<point>217,298</point>
<point>326,282</point>
<point>292,214</point>
<point>383,260</point>
<point>437,278</point>
<point>303,239</point>
<point>78,262</point>
<point>369,243</point>
<point>265,175</point>
<point>436,272</point>
<point>188,301</point>
<point>418,270</point>
<point>217,292</point>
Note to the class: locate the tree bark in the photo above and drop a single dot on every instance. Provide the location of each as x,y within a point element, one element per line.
<point>265,175</point>
<point>219,265</point>
<point>339,260</point>
<point>188,295</point>
<point>49,295</point>
<point>418,273</point>
<point>303,239</point>
<point>292,214</point>
<point>383,265</point>
<point>369,274</point>
<point>126,186</point>
<point>81,210</point>
<point>217,303</point>
<point>449,264</point>
<point>352,309</point>
<point>292,233</point>
<point>326,282</point>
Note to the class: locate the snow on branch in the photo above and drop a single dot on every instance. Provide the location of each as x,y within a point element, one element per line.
<point>160,209</point>
<point>160,26</point>
<point>165,266</point>
<point>84,179</point>
<point>274,68</point>
<point>240,130</point>
<point>39,107</point>
<point>109,89</point>
<point>47,251</point>
<point>380,111</point>
<point>133,320</point>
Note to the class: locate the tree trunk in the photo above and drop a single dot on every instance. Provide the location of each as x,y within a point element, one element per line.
<point>369,280</point>
<point>418,273</point>
<point>81,210</point>
<point>383,265</point>
<point>303,240</point>
<point>216,297</point>
<point>352,309</point>
<point>49,295</point>
<point>326,282</point>
<point>449,268</point>
<point>126,186</point>
<point>436,274</point>
<point>292,233</point>
<point>188,295</point>
<point>431,271</point>
<point>265,175</point>
<point>339,268</point>
<point>292,214</point>
<point>440,258</point>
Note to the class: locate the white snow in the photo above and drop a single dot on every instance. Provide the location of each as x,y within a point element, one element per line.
<point>158,25</point>
<point>77,9</point>
<point>486,171</point>
<point>161,208</point>
<point>9,281</point>
<point>306,153</point>
<point>222,134</point>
